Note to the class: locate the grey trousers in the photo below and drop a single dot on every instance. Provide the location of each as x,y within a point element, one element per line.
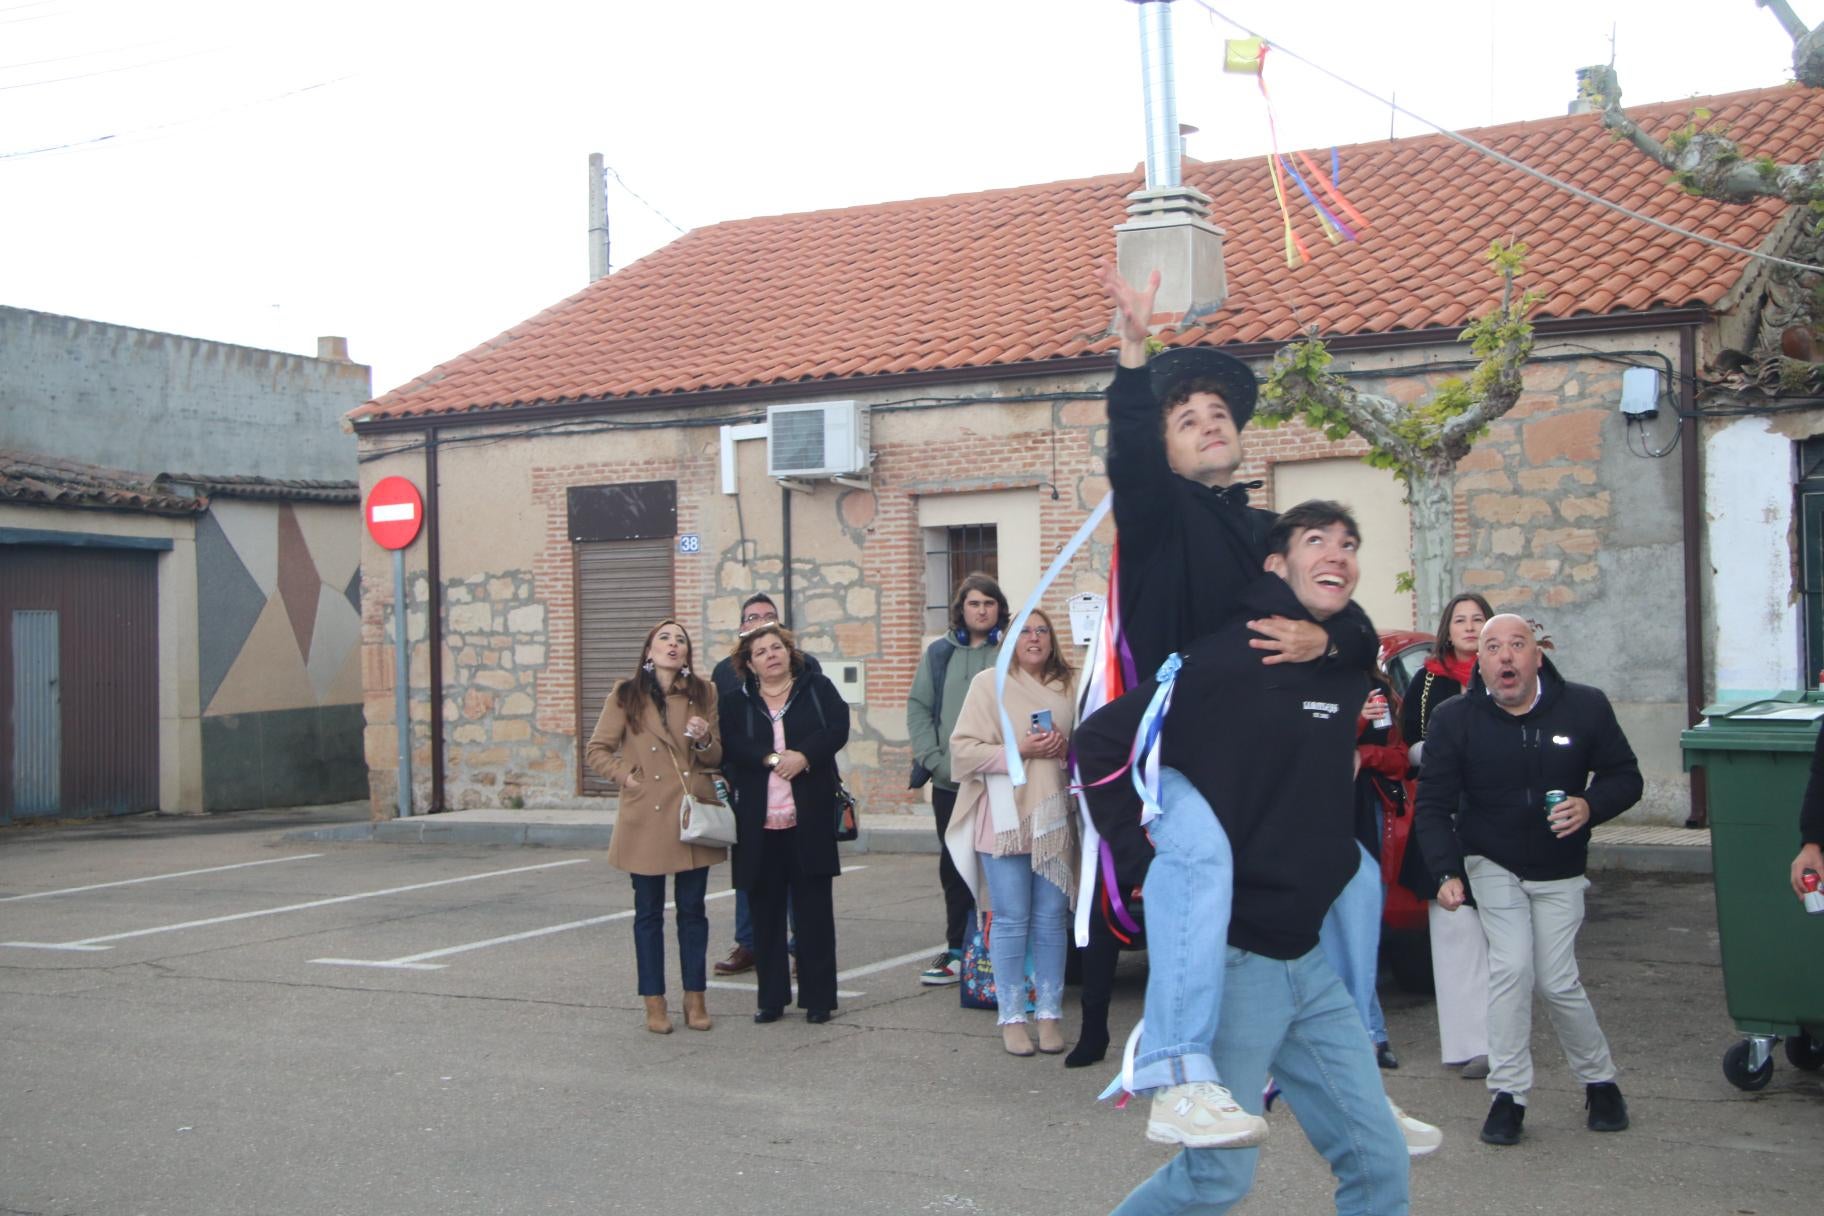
<point>1531,929</point>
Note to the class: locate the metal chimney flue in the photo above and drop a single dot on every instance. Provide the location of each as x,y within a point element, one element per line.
<point>1168,227</point>
<point>1159,86</point>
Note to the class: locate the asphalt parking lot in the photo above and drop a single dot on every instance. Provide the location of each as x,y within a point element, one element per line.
<point>203,1016</point>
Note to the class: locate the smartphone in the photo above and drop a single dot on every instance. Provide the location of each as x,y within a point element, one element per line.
<point>1041,721</point>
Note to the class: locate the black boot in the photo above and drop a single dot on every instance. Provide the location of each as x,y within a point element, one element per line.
<point>1092,1040</point>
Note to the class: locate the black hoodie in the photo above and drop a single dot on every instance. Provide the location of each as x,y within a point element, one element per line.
<point>1187,550</point>
<point>1273,750</point>
<point>1497,766</point>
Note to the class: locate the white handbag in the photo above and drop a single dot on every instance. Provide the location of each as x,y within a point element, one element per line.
<point>700,821</point>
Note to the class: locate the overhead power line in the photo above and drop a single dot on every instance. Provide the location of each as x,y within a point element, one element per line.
<point>1503,158</point>
<point>178,122</point>
<point>125,67</point>
<point>612,172</point>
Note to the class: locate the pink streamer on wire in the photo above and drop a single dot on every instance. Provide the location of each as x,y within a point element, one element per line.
<point>1295,247</point>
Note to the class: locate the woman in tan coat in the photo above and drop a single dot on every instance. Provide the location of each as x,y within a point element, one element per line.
<point>657,729</point>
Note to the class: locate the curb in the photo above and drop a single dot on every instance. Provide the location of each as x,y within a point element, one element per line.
<point>427,830</point>
<point>1650,859</point>
<point>919,838</point>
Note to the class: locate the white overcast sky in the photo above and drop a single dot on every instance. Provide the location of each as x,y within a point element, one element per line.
<point>431,191</point>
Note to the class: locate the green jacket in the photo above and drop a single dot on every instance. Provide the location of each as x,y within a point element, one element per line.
<point>931,744</point>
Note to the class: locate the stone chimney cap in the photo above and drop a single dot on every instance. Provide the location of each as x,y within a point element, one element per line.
<point>333,349</point>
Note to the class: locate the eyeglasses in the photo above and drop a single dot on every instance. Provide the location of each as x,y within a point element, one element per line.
<point>759,619</point>
<point>1036,631</point>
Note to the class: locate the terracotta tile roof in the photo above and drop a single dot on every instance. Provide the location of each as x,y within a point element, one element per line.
<point>34,478</point>
<point>64,483</point>
<point>276,489</point>
<point>1002,278</point>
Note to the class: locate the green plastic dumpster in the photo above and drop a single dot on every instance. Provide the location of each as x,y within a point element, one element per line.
<point>1757,755</point>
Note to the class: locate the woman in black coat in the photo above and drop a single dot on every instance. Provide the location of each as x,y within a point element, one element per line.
<point>781,733</point>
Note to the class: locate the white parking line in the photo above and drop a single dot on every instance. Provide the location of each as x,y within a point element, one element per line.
<point>127,882</point>
<point>93,943</point>
<point>420,962</point>
<point>417,962</point>
<point>917,956</point>
<point>731,986</point>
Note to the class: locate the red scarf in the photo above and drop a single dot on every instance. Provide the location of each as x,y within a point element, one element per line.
<point>1452,668</point>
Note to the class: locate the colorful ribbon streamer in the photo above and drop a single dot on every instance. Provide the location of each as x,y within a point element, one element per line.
<point>1010,743</point>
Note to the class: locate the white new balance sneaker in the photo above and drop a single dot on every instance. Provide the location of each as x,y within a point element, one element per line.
<point>1202,1114</point>
<point>1421,1138</point>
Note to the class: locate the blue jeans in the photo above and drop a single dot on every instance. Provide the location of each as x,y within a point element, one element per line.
<point>1293,1021</point>
<point>1351,940</point>
<point>1026,905</point>
<point>649,929</point>
<point>1189,892</point>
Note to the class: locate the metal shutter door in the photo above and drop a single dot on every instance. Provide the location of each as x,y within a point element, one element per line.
<point>623,589</point>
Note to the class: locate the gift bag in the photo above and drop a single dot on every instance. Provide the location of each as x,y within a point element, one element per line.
<point>978,991</point>
<point>978,970</point>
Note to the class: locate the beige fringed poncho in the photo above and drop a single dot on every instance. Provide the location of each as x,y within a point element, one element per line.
<point>1039,817</point>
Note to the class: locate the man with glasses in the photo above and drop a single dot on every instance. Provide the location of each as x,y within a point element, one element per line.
<point>756,610</point>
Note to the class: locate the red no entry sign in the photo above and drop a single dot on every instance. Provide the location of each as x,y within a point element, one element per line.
<point>395,512</point>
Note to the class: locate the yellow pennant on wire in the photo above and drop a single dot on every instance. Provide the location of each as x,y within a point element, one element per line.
<point>1242,56</point>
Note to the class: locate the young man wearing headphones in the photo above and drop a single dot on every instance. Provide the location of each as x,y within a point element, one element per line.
<point>978,617</point>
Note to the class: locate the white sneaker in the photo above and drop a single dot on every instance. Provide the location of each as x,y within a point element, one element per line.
<point>1421,1138</point>
<point>1202,1114</point>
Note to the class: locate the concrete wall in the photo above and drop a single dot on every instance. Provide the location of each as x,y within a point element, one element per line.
<point>279,627</point>
<point>159,403</point>
<point>1558,517</point>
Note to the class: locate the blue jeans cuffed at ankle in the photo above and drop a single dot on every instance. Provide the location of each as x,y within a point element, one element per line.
<point>1026,908</point>
<point>1187,898</point>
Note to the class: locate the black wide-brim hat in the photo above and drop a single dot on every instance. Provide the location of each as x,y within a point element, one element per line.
<point>1181,364</point>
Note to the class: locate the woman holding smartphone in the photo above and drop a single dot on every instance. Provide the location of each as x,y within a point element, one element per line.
<point>1021,839</point>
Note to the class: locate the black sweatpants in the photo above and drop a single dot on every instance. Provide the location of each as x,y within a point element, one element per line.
<point>958,902</point>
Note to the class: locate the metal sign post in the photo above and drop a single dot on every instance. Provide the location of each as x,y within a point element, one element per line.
<point>402,709</point>
<point>394,513</point>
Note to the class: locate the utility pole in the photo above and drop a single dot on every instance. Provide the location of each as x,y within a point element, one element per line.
<point>598,218</point>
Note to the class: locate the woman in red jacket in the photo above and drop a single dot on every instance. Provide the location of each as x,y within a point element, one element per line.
<point>1380,796</point>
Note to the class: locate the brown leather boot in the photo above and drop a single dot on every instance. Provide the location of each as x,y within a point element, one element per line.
<point>696,1011</point>
<point>657,1019</point>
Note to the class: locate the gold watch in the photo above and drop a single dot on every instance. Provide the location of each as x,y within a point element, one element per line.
<point>772,759</point>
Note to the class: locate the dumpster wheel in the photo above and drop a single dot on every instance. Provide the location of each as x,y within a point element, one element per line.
<point>1803,1051</point>
<point>1737,1069</point>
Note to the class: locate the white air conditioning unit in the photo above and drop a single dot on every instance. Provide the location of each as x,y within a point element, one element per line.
<point>827,440</point>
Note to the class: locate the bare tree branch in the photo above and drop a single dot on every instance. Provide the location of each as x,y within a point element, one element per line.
<point>1709,163</point>
<point>1500,395</point>
<point>1292,388</point>
<point>1807,45</point>
<point>1787,17</point>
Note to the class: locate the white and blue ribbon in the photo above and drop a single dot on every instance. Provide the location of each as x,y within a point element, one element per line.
<point>1145,757</point>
